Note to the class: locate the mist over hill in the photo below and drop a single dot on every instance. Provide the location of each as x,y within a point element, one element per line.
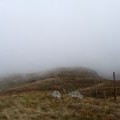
<point>65,47</point>
<point>51,78</point>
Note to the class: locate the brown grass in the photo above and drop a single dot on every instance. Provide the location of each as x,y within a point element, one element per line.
<point>41,106</point>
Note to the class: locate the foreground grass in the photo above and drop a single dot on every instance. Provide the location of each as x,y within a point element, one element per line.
<point>41,106</point>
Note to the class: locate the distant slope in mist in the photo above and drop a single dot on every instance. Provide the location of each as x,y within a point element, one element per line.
<point>63,79</point>
<point>18,80</point>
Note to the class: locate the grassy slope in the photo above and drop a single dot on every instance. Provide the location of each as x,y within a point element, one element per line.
<point>69,79</point>
<point>64,80</point>
<point>29,104</point>
<point>41,106</point>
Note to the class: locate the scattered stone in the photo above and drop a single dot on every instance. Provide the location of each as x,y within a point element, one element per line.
<point>56,94</point>
<point>76,94</point>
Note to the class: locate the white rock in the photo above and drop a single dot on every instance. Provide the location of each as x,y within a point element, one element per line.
<point>56,94</point>
<point>76,94</point>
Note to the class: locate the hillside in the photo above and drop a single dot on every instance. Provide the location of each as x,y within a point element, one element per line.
<point>87,81</point>
<point>64,80</point>
<point>17,80</point>
<point>41,106</point>
<point>30,97</point>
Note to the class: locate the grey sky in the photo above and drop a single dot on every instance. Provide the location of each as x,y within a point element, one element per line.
<point>37,35</point>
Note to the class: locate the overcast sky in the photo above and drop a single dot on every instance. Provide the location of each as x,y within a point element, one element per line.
<point>38,35</point>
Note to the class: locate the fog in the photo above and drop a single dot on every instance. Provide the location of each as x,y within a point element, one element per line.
<point>37,35</point>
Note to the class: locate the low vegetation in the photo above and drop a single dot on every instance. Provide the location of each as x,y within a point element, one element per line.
<point>41,106</point>
<point>29,97</point>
